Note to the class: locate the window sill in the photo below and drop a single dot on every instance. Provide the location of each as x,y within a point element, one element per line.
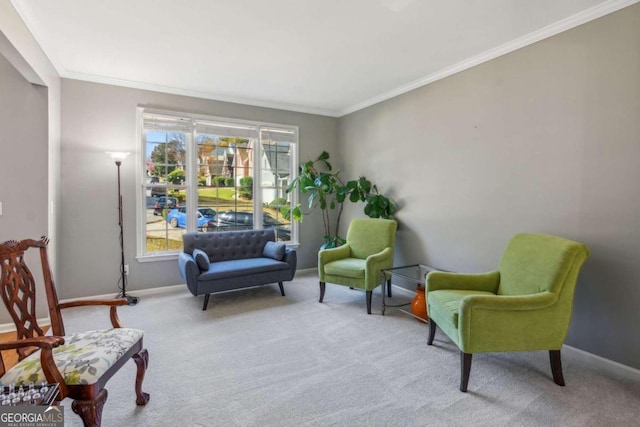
<point>159,257</point>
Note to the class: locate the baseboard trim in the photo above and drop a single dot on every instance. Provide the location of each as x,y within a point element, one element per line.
<point>608,366</point>
<point>10,327</point>
<point>137,293</point>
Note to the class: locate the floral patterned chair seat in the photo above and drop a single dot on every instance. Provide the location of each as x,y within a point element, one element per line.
<point>82,359</point>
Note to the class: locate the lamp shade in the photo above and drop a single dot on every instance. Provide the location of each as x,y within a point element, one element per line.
<point>118,156</point>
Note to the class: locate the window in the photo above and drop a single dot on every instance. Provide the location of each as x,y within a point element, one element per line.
<point>206,173</point>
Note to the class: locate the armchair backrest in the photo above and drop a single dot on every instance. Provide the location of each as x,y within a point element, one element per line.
<point>534,263</point>
<point>18,290</point>
<point>367,236</point>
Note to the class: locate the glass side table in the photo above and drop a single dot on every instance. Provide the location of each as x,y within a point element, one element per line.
<point>413,273</point>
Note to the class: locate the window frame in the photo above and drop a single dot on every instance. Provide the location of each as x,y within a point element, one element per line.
<point>191,176</point>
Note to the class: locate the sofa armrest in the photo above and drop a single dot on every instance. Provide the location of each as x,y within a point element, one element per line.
<point>487,282</point>
<point>189,271</point>
<point>291,258</point>
<point>326,256</point>
<point>501,323</point>
<point>374,264</point>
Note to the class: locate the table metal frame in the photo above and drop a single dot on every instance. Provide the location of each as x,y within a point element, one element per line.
<point>413,273</point>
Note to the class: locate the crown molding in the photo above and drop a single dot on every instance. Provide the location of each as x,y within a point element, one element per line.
<point>197,94</point>
<point>526,40</point>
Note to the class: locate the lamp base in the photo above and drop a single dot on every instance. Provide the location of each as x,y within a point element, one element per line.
<point>130,299</point>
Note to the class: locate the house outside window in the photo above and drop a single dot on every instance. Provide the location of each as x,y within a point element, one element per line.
<point>204,174</point>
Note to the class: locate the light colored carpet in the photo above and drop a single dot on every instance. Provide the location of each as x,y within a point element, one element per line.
<point>255,358</point>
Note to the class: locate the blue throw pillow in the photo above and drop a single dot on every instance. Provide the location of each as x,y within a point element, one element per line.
<point>202,259</point>
<point>274,250</point>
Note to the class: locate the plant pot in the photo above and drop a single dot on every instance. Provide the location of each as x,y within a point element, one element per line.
<point>419,304</point>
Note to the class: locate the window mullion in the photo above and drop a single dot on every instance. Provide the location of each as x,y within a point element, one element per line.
<point>257,182</point>
<point>191,178</point>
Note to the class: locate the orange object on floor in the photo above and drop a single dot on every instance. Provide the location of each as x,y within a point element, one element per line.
<point>419,304</point>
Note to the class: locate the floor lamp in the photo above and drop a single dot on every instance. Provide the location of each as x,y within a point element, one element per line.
<point>118,157</point>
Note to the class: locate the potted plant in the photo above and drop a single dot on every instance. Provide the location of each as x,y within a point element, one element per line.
<point>327,191</point>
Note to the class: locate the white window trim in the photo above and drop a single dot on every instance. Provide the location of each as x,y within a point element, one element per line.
<point>192,190</point>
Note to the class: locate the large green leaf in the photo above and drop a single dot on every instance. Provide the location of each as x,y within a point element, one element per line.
<point>364,184</point>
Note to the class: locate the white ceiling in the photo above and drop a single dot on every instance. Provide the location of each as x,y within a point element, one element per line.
<point>328,57</point>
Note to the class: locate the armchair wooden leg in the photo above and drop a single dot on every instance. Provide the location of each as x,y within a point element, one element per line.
<point>369,294</point>
<point>91,410</point>
<point>432,332</point>
<point>281,288</point>
<point>465,370</point>
<point>206,302</point>
<point>322,286</point>
<point>556,367</point>
<point>142,361</point>
<point>388,288</point>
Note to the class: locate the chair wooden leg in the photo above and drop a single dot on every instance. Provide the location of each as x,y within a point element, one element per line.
<point>388,288</point>
<point>91,410</point>
<point>465,370</point>
<point>432,332</point>
<point>556,367</point>
<point>142,361</point>
<point>369,294</point>
<point>281,288</point>
<point>206,302</point>
<point>322,286</point>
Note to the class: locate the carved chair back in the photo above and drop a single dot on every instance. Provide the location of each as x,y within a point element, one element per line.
<point>18,290</point>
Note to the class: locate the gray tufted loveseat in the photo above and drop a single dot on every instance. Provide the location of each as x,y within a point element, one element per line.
<point>234,260</point>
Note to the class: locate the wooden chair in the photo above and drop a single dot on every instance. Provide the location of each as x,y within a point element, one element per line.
<point>80,363</point>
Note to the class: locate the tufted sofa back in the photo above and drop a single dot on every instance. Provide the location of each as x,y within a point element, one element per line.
<point>228,245</point>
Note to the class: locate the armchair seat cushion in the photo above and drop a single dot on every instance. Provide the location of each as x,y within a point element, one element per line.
<point>82,359</point>
<point>346,267</point>
<point>447,302</point>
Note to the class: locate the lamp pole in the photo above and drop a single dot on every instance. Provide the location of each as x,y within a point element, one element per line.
<point>118,157</point>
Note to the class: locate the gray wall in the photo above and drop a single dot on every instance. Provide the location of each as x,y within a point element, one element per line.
<point>98,118</point>
<point>23,140</point>
<point>545,139</point>
<point>27,153</point>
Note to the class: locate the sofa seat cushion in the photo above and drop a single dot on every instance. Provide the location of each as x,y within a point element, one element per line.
<point>241,267</point>
<point>82,359</point>
<point>447,302</point>
<point>346,267</point>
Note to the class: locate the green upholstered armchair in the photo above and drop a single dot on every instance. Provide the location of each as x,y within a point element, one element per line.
<point>523,306</point>
<point>358,262</point>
